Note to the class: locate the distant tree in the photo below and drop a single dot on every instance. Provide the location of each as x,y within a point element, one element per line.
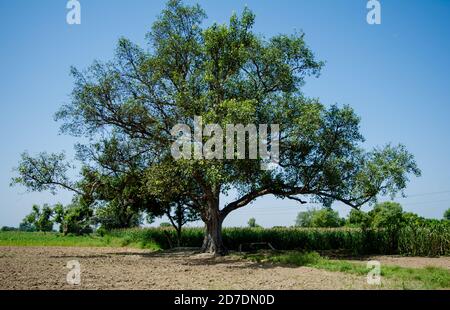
<point>40,218</point>
<point>412,219</point>
<point>76,218</point>
<point>7,228</point>
<point>112,215</point>
<point>252,223</point>
<point>358,218</point>
<point>179,214</point>
<point>388,216</point>
<point>325,217</point>
<point>447,215</point>
<point>304,218</point>
<point>26,227</point>
<point>165,225</point>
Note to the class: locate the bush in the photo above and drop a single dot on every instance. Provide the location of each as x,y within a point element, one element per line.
<point>6,228</point>
<point>325,217</point>
<point>389,217</point>
<point>74,218</point>
<point>40,219</point>
<point>447,215</point>
<point>358,218</point>
<point>252,223</point>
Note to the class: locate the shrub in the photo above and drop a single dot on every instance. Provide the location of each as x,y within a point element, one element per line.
<point>74,218</point>
<point>39,219</point>
<point>252,223</point>
<point>447,215</point>
<point>325,217</point>
<point>7,228</point>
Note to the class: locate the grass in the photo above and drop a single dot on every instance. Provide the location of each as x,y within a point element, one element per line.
<point>13,238</point>
<point>406,278</point>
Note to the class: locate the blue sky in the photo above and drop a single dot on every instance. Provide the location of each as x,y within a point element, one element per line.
<point>395,75</point>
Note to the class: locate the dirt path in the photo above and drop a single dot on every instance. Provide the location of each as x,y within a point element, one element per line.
<point>112,268</point>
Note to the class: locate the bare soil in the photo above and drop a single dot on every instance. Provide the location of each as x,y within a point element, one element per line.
<point>121,268</point>
<point>410,262</point>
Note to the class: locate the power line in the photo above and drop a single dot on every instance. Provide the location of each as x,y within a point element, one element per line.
<point>425,194</point>
<point>425,202</point>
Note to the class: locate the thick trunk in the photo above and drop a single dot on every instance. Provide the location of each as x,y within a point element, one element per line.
<point>213,242</point>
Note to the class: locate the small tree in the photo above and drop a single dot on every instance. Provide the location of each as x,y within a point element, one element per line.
<point>7,228</point>
<point>26,227</point>
<point>447,215</point>
<point>358,218</point>
<point>112,215</point>
<point>39,219</point>
<point>252,223</point>
<point>325,217</point>
<point>388,216</point>
<point>75,218</point>
<point>179,214</point>
<point>304,218</point>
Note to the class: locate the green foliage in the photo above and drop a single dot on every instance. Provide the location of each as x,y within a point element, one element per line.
<point>408,233</point>
<point>414,241</point>
<point>447,215</point>
<point>325,217</point>
<point>115,216</point>
<point>387,215</point>
<point>358,218</point>
<point>26,227</point>
<point>423,237</point>
<point>75,218</point>
<point>165,225</point>
<point>7,228</point>
<point>252,223</point>
<point>304,218</point>
<point>43,172</point>
<point>351,240</point>
<point>40,219</point>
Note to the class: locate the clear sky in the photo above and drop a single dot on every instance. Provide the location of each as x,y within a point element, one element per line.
<point>395,75</point>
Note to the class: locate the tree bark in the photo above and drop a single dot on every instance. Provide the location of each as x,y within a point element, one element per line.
<point>213,242</point>
<point>178,229</point>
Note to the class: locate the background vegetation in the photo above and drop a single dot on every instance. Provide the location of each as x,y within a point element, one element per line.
<point>384,230</point>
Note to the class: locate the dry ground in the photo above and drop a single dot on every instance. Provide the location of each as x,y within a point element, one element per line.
<point>121,268</point>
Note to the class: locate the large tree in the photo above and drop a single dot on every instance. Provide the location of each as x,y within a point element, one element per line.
<point>227,74</point>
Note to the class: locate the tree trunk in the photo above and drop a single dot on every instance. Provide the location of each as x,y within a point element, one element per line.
<point>179,236</point>
<point>213,242</point>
